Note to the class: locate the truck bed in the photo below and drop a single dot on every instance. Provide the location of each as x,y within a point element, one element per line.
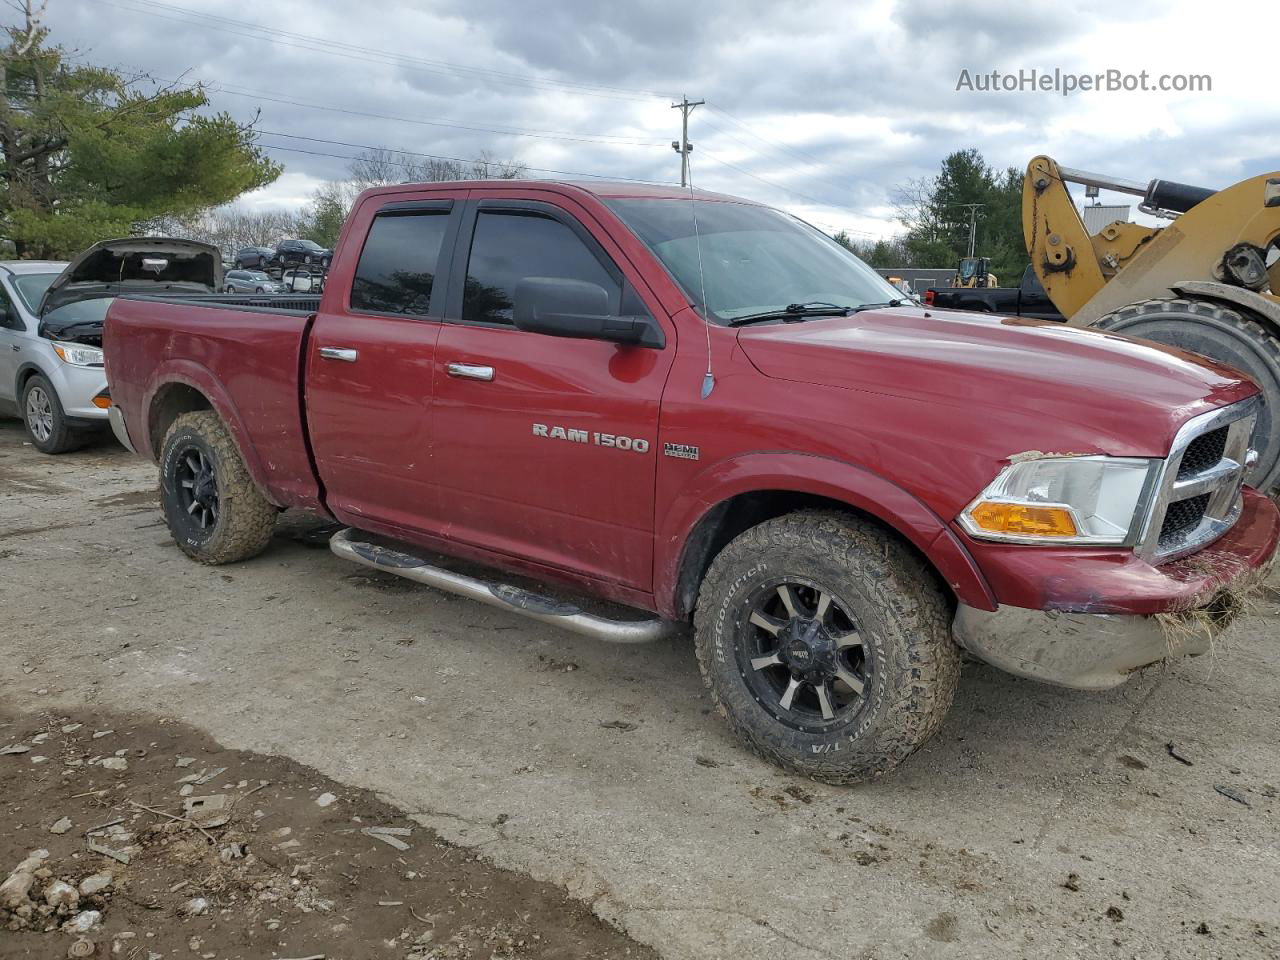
<point>245,353</point>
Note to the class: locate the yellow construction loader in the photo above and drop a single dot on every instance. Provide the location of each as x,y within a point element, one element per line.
<point>974,272</point>
<point>1206,281</point>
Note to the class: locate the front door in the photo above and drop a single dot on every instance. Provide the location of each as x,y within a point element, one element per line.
<point>369,362</point>
<point>546,446</point>
<point>12,339</point>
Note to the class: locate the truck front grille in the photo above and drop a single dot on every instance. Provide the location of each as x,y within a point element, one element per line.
<point>1198,496</point>
<point>1181,518</point>
<point>1203,452</point>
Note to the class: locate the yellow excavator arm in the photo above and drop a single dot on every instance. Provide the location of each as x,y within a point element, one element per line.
<point>1204,282</point>
<point>1221,236</point>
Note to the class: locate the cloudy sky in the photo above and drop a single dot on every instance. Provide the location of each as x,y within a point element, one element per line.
<point>823,107</point>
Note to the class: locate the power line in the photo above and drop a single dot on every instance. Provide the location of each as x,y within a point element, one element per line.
<point>415,153</point>
<point>794,151</point>
<point>778,186</point>
<point>756,150</point>
<point>606,139</point>
<point>354,51</point>
<point>350,51</point>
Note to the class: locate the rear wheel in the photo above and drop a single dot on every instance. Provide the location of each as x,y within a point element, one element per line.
<point>215,512</point>
<point>45,419</point>
<point>826,645</point>
<point>1232,337</point>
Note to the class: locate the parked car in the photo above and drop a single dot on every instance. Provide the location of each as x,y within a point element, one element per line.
<point>253,257</point>
<point>1028,299</point>
<point>302,281</point>
<point>724,420</point>
<point>51,368</point>
<point>251,281</point>
<point>298,252</point>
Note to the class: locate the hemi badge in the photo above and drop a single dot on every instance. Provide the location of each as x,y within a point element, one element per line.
<point>681,451</point>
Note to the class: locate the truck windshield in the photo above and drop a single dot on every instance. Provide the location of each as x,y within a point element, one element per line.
<point>754,259</point>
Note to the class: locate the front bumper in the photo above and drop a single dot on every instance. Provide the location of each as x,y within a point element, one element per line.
<point>1199,597</point>
<point>116,417</point>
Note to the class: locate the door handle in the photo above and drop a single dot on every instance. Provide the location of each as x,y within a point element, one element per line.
<point>470,371</point>
<point>339,353</point>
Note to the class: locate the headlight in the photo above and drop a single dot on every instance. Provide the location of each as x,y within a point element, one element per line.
<point>1070,500</point>
<point>78,354</point>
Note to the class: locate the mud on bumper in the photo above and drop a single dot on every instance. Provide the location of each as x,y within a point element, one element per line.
<point>1203,594</point>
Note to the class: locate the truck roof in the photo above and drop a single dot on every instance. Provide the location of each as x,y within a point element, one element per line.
<point>604,189</point>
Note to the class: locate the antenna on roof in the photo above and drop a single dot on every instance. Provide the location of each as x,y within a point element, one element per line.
<point>709,380</point>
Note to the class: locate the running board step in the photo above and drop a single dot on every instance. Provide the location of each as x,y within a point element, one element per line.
<point>349,545</point>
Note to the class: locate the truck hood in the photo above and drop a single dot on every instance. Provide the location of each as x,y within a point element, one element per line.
<point>1120,386</point>
<point>134,265</point>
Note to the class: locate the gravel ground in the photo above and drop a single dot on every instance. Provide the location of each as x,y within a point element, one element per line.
<point>1038,821</point>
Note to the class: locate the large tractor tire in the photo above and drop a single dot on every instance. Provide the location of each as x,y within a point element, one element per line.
<point>1232,337</point>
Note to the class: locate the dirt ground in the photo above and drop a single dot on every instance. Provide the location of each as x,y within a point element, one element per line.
<point>195,849</point>
<point>1039,822</point>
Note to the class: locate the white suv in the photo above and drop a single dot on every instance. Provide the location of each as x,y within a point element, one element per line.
<point>51,317</point>
<point>59,389</point>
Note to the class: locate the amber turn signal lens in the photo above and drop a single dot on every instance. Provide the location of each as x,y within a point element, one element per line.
<point>1023,519</point>
<point>102,401</point>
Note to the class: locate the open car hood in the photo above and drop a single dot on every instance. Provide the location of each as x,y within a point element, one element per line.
<point>145,265</point>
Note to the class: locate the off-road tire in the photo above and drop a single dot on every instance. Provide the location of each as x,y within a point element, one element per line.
<point>898,608</point>
<point>245,518</point>
<point>61,438</point>
<point>1231,337</point>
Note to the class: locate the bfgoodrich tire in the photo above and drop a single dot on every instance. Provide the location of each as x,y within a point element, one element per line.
<point>215,512</point>
<point>826,645</point>
<point>1229,336</point>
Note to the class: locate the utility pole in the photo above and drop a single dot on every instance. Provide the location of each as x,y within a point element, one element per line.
<point>973,223</point>
<point>683,146</point>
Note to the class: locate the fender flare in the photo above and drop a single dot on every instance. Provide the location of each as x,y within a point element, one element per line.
<point>1265,309</point>
<point>833,479</point>
<point>200,378</point>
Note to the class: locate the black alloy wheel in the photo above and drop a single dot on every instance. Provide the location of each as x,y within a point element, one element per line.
<point>197,488</point>
<point>802,656</point>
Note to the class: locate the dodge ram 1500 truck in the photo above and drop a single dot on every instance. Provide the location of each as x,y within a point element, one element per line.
<point>704,408</point>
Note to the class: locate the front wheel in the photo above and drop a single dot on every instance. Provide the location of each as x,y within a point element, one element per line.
<point>45,420</point>
<point>826,645</point>
<point>212,506</point>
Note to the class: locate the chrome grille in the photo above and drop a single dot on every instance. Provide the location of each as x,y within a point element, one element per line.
<point>1203,452</point>
<point>1198,492</point>
<point>1181,518</point>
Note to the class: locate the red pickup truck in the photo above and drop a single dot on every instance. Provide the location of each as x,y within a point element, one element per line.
<point>706,409</point>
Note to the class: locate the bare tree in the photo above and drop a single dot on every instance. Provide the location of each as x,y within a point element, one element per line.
<point>379,167</point>
<point>331,202</point>
<point>231,228</point>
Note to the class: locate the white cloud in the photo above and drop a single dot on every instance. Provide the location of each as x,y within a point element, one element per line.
<point>823,107</point>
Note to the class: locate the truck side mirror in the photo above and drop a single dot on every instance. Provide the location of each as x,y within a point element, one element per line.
<point>560,307</point>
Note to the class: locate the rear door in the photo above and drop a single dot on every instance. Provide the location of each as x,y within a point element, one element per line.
<point>369,363</point>
<point>545,445</point>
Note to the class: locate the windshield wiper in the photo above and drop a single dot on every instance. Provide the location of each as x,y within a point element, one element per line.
<point>896,302</point>
<point>794,312</point>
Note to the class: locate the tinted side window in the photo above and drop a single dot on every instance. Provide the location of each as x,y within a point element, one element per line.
<point>398,263</point>
<point>509,246</point>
